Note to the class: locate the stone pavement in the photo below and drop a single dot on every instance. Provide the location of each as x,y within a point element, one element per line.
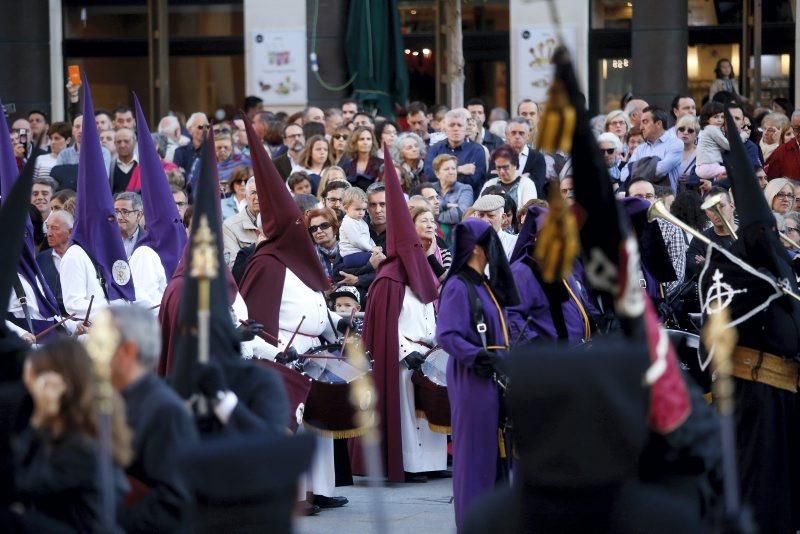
<point>413,508</point>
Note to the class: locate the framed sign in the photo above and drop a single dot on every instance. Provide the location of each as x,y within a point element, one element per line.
<point>278,66</point>
<point>535,47</point>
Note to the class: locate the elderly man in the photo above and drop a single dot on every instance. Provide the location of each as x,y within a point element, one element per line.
<point>784,162</point>
<point>667,148</point>
<point>313,114</point>
<point>161,425</point>
<point>123,118</point>
<point>241,230</point>
<point>718,233</point>
<point>635,109</point>
<point>69,156</point>
<point>333,120</point>
<point>186,155</point>
<point>471,157</point>
<point>170,128</point>
<point>125,162</point>
<point>59,227</point>
<point>490,208</point>
<point>531,161</point>
<point>128,209</point>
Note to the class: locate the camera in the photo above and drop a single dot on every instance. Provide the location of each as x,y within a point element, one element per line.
<point>23,136</point>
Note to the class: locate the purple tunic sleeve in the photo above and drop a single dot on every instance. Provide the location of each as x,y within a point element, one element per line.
<point>453,324</point>
<point>531,299</point>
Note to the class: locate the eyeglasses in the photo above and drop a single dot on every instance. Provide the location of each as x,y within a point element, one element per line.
<point>616,123</point>
<point>609,151</point>
<point>333,200</point>
<point>222,130</point>
<point>503,167</point>
<point>792,229</point>
<point>784,196</point>
<point>747,127</point>
<point>320,227</point>
<point>125,213</point>
<point>685,129</point>
<point>648,196</point>
<point>340,137</point>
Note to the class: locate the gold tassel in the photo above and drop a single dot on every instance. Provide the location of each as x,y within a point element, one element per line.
<point>558,121</point>
<point>557,243</point>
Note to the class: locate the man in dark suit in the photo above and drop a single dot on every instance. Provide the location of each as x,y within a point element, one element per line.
<point>286,156</point>
<point>478,111</point>
<point>59,227</point>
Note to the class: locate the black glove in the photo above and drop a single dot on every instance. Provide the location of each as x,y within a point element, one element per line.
<point>211,380</point>
<point>287,356</point>
<point>249,331</point>
<point>344,324</point>
<point>484,364</point>
<point>414,360</point>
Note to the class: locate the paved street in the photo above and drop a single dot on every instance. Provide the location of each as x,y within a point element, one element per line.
<point>417,508</point>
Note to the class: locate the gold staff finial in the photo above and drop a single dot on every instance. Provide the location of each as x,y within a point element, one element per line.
<point>720,340</point>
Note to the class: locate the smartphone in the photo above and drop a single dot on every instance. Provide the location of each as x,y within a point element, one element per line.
<point>74,74</point>
<point>23,136</point>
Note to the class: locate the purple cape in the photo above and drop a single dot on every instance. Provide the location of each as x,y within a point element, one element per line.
<point>166,234</point>
<point>96,230</point>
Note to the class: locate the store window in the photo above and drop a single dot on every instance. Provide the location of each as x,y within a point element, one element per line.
<point>615,80</point>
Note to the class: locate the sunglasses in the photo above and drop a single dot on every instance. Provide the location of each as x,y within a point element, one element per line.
<point>340,137</point>
<point>222,130</point>
<point>747,127</point>
<point>204,126</point>
<point>324,226</point>
<point>608,151</point>
<point>685,129</point>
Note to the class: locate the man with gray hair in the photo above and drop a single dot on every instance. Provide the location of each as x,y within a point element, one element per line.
<point>128,210</point>
<point>125,162</point>
<point>58,227</point>
<point>170,128</point>
<point>241,230</point>
<point>530,161</point>
<point>784,161</point>
<point>161,426</point>
<point>634,110</point>
<point>186,155</point>
<point>471,158</point>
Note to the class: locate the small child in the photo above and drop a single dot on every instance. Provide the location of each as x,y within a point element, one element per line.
<point>355,244</point>
<point>711,142</point>
<point>345,299</point>
<point>299,183</point>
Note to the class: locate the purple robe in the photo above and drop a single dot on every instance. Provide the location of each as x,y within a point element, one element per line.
<point>534,307</point>
<point>474,401</point>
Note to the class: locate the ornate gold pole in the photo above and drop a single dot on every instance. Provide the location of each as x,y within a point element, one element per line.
<point>204,269</point>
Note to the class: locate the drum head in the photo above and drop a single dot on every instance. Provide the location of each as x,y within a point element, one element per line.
<point>435,366</point>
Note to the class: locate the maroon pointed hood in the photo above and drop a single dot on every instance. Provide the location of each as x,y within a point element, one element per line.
<point>405,259</point>
<point>287,238</point>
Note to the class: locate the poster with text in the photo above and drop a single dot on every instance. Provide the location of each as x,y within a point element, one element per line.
<point>535,47</point>
<point>278,63</point>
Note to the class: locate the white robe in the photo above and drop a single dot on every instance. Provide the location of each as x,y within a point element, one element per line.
<point>423,449</point>
<point>15,308</point>
<point>149,277</point>
<point>79,283</point>
<point>257,347</point>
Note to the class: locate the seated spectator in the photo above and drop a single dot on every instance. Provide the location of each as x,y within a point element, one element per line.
<point>299,183</point>
<point>333,195</point>
<point>386,134</point>
<point>241,230</point>
<point>227,159</point>
<point>60,134</point>
<point>455,196</point>
<point>780,195</point>
<point>234,191</point>
<point>334,173</point>
<point>471,168</point>
<point>314,159</point>
<point>518,186</point>
<point>338,145</point>
<point>439,257</point>
<point>409,153</point>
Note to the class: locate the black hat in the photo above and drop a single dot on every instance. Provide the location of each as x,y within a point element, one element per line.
<point>246,482</point>
<point>224,339</point>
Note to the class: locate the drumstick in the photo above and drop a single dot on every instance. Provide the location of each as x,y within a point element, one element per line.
<point>88,311</point>
<point>521,331</point>
<point>263,335</point>
<point>53,327</point>
<point>296,330</point>
<point>151,308</point>
<point>347,331</point>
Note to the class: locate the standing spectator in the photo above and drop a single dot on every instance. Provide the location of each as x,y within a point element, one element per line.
<point>436,251</point>
<point>516,185</point>
<point>333,121</point>
<point>40,126</point>
<point>334,173</point>
<point>364,165</point>
<point>785,160</point>
<point>477,109</point>
<point>236,197</point>
<point>125,143</point>
<point>618,124</point>
<point>686,130</point>
<point>634,109</point>
<point>531,162</point>
<point>170,128</point>
<point>771,126</point>
<point>529,110</point>
<point>349,110</point>
<point>323,226</point>
<point>107,141</point>
<point>726,79</point>
<point>186,155</point>
<point>782,105</point>
<point>386,134</point>
<point>471,158</point>
<point>313,114</point>
<point>299,184</point>
<point>227,158</point>
<point>332,196</point>
<point>103,121</point>
<point>417,117</point>
<point>473,136</point>
<point>338,146</point>
<point>314,159</point>
<point>60,134</point>
<point>497,114</point>
<point>123,118</point>
<point>633,139</point>
<point>660,144</point>
<point>241,229</point>
<point>409,153</point>
<point>181,200</point>
<point>682,105</point>
<point>69,156</point>
<point>455,197</point>
<point>286,157</point>
<point>41,193</point>
<point>251,106</point>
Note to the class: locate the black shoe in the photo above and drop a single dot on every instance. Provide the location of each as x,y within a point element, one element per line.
<point>329,502</point>
<point>439,474</point>
<point>310,509</point>
<point>416,478</point>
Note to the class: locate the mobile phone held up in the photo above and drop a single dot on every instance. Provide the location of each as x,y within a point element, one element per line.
<point>74,72</point>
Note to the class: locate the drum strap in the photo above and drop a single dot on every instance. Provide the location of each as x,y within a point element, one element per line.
<point>23,302</point>
<point>476,307</point>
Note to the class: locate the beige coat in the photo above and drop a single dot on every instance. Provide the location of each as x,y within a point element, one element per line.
<point>238,231</point>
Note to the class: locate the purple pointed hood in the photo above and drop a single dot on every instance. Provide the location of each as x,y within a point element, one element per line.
<point>166,234</point>
<point>28,267</point>
<point>96,229</point>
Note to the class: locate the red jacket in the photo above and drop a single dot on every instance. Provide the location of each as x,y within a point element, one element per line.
<point>784,162</point>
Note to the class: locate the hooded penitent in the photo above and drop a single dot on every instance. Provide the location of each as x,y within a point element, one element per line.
<point>166,234</point>
<point>27,266</point>
<point>96,230</point>
<point>286,245</point>
<point>224,339</point>
<point>405,265</point>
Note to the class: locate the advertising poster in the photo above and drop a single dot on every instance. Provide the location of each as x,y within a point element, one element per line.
<point>278,66</point>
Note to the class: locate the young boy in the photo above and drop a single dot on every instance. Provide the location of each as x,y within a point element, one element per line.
<point>299,183</point>
<point>344,300</point>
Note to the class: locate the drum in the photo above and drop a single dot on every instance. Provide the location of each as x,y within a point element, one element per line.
<point>328,411</point>
<point>430,391</point>
<point>297,387</point>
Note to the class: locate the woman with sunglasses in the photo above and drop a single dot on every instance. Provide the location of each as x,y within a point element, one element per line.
<point>611,147</point>
<point>780,195</point>
<point>235,199</point>
<point>338,145</point>
<point>686,131</point>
